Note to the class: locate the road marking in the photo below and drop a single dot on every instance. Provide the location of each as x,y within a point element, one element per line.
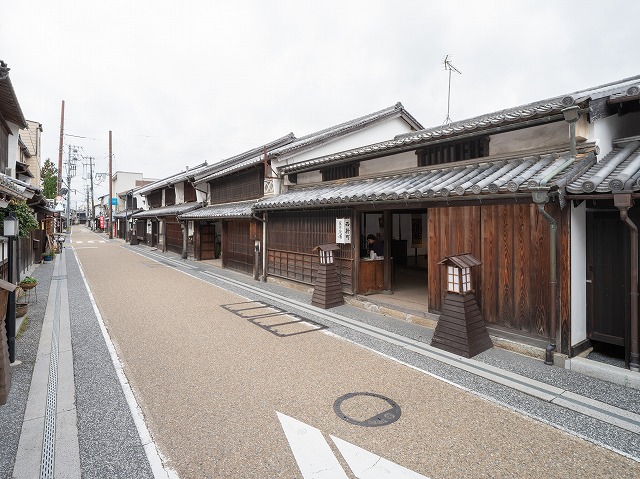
<point>367,465</point>
<point>546,392</point>
<point>317,461</point>
<point>90,241</point>
<point>312,452</point>
<point>78,242</point>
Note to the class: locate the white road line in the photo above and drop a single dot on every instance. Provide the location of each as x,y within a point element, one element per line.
<point>159,468</point>
<point>312,452</point>
<point>367,465</point>
<point>538,389</point>
<point>90,241</point>
<point>78,242</point>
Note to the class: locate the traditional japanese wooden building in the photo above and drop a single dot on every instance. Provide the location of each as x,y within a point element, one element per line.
<point>513,188</point>
<point>233,185</point>
<point>166,199</point>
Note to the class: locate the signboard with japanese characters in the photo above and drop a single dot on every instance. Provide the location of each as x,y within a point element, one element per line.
<point>343,230</point>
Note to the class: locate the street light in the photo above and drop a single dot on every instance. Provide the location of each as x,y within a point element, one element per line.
<point>11,228</point>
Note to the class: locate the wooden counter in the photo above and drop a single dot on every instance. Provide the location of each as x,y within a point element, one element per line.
<point>371,276</point>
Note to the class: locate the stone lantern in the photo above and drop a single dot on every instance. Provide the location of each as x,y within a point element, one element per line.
<point>327,292</point>
<point>461,329</point>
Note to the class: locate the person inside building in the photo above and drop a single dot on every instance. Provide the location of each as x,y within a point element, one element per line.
<point>375,245</point>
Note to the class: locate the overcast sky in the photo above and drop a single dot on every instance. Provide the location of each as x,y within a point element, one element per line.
<point>180,83</point>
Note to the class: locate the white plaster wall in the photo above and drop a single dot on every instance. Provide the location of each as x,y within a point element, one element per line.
<point>401,161</point>
<point>578,273</point>
<point>13,150</point>
<point>202,192</point>
<point>373,134</point>
<point>179,187</point>
<point>541,136</point>
<point>614,127</point>
<point>309,177</point>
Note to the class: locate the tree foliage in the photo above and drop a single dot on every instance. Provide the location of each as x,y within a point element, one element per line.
<point>26,219</point>
<point>49,179</point>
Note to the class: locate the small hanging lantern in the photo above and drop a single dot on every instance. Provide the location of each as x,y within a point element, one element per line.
<point>459,272</point>
<point>11,226</point>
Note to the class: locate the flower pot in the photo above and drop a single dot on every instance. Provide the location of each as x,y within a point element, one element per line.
<point>47,258</point>
<point>27,286</point>
<point>21,309</point>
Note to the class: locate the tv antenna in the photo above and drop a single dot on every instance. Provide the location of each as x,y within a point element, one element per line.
<point>449,66</point>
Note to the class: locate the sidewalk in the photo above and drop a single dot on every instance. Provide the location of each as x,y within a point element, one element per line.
<point>68,416</point>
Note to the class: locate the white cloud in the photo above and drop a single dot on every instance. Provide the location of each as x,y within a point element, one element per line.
<point>183,82</point>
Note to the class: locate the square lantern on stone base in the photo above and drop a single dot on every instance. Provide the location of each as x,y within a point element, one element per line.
<point>327,292</point>
<point>461,329</point>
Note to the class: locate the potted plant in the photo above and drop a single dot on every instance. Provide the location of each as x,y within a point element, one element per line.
<point>28,282</point>
<point>48,255</point>
<point>21,305</point>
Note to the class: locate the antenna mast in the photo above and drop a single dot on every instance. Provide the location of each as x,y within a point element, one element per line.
<point>449,66</point>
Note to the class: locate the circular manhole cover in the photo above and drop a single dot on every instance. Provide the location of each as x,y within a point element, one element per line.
<point>367,409</point>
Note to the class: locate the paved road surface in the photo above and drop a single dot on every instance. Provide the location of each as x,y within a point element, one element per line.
<point>230,388</point>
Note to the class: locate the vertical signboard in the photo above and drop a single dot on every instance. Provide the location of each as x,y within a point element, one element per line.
<point>343,230</point>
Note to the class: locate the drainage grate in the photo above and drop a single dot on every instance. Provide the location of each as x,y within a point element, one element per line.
<point>383,418</point>
<point>277,321</point>
<point>47,463</point>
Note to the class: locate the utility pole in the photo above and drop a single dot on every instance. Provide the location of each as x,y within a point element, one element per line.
<point>110,190</point>
<point>71,171</point>
<point>60,150</point>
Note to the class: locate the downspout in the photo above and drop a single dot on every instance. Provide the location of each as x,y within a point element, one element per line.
<point>185,235</point>
<point>264,244</point>
<point>624,202</point>
<point>541,197</point>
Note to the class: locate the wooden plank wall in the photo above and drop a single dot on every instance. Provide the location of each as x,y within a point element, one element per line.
<point>291,237</point>
<point>238,246</point>
<point>512,241</point>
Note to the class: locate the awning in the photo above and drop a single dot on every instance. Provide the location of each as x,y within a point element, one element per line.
<point>173,210</point>
<point>509,178</point>
<point>126,214</point>
<point>222,211</point>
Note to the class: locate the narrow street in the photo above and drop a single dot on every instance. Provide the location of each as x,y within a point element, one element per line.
<point>224,382</point>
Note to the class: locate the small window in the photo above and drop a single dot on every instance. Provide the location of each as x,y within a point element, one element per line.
<point>350,170</point>
<point>454,151</point>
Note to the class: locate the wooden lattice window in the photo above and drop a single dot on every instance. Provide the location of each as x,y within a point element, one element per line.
<point>169,196</point>
<point>350,170</point>
<point>189,192</point>
<point>155,199</point>
<point>454,151</point>
<point>245,185</point>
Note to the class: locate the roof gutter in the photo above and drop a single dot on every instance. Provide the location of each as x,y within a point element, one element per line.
<point>623,202</point>
<point>540,195</point>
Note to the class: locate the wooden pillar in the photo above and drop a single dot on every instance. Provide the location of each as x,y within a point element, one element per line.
<point>388,262</point>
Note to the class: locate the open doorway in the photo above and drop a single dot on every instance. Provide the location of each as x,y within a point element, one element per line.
<point>407,233</point>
